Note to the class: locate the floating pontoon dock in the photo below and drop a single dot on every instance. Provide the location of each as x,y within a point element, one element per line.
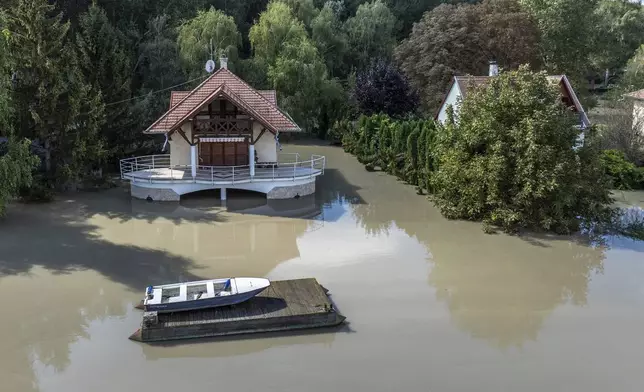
<point>284,305</point>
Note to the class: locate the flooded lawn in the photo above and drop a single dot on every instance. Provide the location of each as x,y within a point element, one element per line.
<point>432,305</point>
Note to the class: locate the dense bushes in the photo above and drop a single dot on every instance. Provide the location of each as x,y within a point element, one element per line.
<point>623,174</point>
<point>402,148</point>
<point>512,160</point>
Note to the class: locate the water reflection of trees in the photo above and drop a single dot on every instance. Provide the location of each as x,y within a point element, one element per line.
<point>496,287</point>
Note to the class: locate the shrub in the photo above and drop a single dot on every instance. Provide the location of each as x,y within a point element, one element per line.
<point>623,174</point>
<point>511,160</point>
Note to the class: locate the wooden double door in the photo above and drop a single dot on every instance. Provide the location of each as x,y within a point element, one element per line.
<point>223,154</point>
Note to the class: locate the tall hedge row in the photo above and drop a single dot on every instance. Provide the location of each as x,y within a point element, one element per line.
<point>399,147</point>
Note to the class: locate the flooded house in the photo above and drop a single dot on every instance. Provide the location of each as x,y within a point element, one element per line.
<point>638,109</point>
<point>222,134</point>
<point>460,85</point>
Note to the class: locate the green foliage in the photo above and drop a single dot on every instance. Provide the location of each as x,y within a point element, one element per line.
<point>568,29</point>
<point>295,69</point>
<point>327,32</point>
<point>512,160</point>
<point>404,148</point>
<point>155,72</point>
<point>619,33</point>
<point>371,33</point>
<point>340,129</point>
<point>633,78</point>
<point>54,104</point>
<point>276,27</point>
<point>462,39</point>
<point>16,166</point>
<point>197,34</point>
<point>624,174</point>
<point>105,61</point>
<point>303,10</point>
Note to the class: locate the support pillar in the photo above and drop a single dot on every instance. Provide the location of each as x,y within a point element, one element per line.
<point>223,194</point>
<point>193,160</point>
<point>251,157</point>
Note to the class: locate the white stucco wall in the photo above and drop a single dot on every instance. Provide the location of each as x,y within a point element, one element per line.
<point>265,147</point>
<point>452,97</point>
<point>638,115</point>
<point>179,148</point>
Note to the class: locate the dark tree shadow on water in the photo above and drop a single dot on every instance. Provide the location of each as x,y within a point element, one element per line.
<point>58,238</point>
<point>117,203</point>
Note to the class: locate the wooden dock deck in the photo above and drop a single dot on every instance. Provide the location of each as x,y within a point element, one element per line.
<point>284,305</point>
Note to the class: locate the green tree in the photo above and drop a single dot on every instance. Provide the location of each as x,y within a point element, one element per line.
<point>295,68</point>
<point>276,27</point>
<point>567,35</point>
<point>619,33</point>
<point>633,78</point>
<point>410,11</point>
<point>197,34</point>
<point>462,39</point>
<point>327,32</point>
<point>106,65</point>
<point>512,160</point>
<point>53,103</point>
<point>304,10</point>
<point>158,68</point>
<point>16,166</point>
<point>371,33</point>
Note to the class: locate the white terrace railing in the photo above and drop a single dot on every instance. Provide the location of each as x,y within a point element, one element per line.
<point>157,169</point>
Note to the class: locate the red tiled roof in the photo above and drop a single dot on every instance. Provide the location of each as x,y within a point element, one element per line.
<point>467,82</point>
<point>177,96</point>
<point>639,94</point>
<point>270,95</point>
<point>224,82</point>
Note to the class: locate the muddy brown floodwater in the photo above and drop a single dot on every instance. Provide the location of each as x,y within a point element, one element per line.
<point>432,305</point>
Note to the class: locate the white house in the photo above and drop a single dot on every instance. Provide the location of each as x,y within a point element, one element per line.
<point>638,109</point>
<point>222,134</point>
<point>460,86</point>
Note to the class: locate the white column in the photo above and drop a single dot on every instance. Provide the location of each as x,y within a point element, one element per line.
<point>223,194</point>
<point>193,160</point>
<point>251,156</point>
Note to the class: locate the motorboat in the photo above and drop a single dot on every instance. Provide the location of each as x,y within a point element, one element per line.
<point>202,294</point>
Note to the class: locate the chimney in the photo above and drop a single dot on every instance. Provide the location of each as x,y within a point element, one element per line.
<point>494,68</point>
<point>224,62</point>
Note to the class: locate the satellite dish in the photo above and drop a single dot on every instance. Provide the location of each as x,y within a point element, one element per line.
<point>210,66</point>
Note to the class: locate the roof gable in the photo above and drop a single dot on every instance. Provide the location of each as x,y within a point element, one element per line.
<point>466,83</point>
<point>639,95</point>
<point>177,96</point>
<point>220,82</point>
<point>270,95</point>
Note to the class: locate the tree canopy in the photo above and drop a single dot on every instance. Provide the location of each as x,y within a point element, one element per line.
<point>209,30</point>
<point>87,76</point>
<point>512,159</point>
<point>462,39</point>
<point>382,88</point>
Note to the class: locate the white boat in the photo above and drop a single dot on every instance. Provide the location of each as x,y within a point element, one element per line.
<point>202,294</point>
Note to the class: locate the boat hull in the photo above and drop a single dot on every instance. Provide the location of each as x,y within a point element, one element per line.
<point>205,303</point>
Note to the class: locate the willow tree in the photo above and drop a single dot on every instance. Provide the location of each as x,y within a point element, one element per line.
<point>329,36</point>
<point>210,32</point>
<point>513,160</point>
<point>294,66</point>
<point>371,33</point>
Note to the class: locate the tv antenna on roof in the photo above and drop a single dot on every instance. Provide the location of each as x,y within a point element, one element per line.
<point>210,64</point>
